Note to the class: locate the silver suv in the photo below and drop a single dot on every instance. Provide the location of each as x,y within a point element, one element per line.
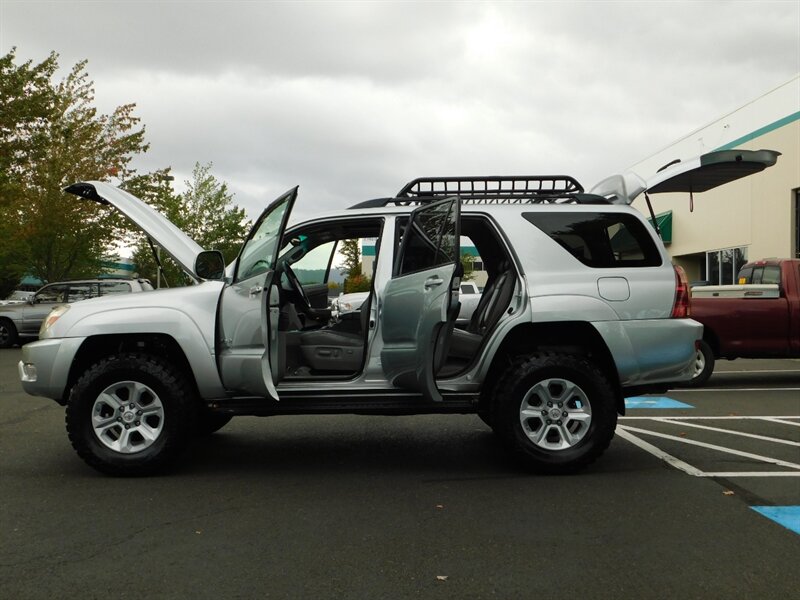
<point>582,308</point>
<point>23,319</point>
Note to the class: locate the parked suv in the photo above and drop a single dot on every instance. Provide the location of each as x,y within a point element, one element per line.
<point>582,308</point>
<point>23,319</point>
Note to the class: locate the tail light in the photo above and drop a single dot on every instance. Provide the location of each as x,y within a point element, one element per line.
<point>683,295</point>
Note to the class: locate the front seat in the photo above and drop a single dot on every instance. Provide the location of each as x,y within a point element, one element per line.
<point>328,349</point>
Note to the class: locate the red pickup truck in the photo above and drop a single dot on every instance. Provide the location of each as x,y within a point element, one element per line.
<point>759,318</point>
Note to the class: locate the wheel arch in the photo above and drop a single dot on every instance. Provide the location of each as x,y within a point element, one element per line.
<point>97,347</point>
<point>571,337</point>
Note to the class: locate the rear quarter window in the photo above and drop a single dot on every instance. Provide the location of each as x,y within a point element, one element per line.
<point>600,240</point>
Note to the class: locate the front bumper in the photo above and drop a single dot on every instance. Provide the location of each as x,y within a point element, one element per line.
<point>45,365</point>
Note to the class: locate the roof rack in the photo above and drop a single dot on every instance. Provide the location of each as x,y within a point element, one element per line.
<point>492,188</point>
<point>529,189</point>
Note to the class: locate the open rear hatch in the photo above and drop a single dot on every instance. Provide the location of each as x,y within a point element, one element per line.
<point>695,175</point>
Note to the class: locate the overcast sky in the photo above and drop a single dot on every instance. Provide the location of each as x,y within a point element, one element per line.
<point>350,100</point>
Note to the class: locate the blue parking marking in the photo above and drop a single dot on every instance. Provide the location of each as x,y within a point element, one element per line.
<point>654,402</point>
<point>788,516</point>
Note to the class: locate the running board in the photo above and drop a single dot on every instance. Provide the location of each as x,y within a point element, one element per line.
<point>364,403</point>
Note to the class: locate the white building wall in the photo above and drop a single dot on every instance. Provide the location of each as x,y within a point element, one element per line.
<point>756,212</point>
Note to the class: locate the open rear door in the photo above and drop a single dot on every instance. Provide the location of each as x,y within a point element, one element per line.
<point>418,301</point>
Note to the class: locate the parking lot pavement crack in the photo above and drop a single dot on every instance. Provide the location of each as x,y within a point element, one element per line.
<point>107,545</point>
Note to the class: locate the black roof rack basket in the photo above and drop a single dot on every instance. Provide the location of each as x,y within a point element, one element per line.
<point>485,190</point>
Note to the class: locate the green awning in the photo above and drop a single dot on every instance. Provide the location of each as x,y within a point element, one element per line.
<point>664,221</point>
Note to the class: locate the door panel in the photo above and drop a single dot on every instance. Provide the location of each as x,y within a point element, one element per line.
<point>248,322</point>
<point>417,301</point>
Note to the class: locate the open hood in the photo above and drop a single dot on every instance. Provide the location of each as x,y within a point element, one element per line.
<point>695,175</point>
<point>176,243</point>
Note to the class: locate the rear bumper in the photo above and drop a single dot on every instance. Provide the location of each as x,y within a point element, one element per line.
<point>44,368</point>
<point>651,354</point>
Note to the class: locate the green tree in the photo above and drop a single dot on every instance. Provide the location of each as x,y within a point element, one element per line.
<point>355,280</point>
<point>468,264</point>
<point>50,136</point>
<point>205,212</point>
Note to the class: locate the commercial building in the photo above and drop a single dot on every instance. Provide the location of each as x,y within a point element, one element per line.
<point>755,217</point>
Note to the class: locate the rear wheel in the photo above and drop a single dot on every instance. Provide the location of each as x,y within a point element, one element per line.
<point>703,365</point>
<point>555,412</point>
<point>8,333</point>
<point>130,414</point>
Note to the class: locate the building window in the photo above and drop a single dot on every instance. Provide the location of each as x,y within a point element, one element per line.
<point>477,265</point>
<point>722,265</point>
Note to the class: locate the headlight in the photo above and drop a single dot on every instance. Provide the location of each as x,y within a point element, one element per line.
<point>54,316</point>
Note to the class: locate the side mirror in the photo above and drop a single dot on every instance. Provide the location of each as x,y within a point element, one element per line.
<point>210,264</point>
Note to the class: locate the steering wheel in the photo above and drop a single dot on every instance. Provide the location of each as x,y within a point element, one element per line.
<point>294,282</point>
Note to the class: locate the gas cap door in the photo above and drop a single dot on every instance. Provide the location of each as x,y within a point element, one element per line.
<point>613,289</point>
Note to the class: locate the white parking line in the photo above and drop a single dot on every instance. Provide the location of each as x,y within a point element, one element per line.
<point>761,389</point>
<point>757,371</point>
<point>727,474</point>
<point>718,418</point>
<point>780,420</point>
<point>758,457</point>
<point>732,432</point>
<point>658,452</point>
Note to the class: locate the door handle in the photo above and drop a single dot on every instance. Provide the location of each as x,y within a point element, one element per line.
<point>433,282</point>
<point>256,289</point>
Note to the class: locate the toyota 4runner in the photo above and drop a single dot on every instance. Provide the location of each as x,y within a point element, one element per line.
<point>582,308</point>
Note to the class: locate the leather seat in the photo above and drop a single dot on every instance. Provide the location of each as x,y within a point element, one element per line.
<point>329,349</point>
<point>493,303</point>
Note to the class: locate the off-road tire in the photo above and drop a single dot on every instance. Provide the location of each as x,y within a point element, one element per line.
<point>8,333</point>
<point>704,366</point>
<point>178,411</point>
<point>521,378</point>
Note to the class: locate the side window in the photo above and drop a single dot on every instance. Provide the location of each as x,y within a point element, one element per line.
<point>313,267</point>
<point>50,294</point>
<point>429,239</point>
<point>108,288</point>
<point>600,240</point>
<point>260,249</point>
<point>82,291</point>
<point>772,274</point>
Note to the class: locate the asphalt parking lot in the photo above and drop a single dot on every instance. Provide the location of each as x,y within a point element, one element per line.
<point>426,506</point>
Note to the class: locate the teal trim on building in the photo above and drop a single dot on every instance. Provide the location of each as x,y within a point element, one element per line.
<point>761,131</point>
<point>368,251</point>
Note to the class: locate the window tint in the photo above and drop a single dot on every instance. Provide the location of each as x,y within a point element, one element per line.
<point>313,267</point>
<point>768,275</point>
<point>258,253</point>
<point>115,287</point>
<point>82,291</point>
<point>51,293</point>
<point>600,240</point>
<point>431,239</point>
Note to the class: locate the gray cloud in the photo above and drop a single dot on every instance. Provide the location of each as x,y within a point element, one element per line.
<point>350,100</point>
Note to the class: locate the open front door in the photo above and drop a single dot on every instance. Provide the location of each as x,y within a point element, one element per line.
<point>248,349</point>
<point>421,301</point>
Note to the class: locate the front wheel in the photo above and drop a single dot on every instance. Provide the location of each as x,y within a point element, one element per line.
<point>8,333</point>
<point>555,412</point>
<point>130,414</point>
